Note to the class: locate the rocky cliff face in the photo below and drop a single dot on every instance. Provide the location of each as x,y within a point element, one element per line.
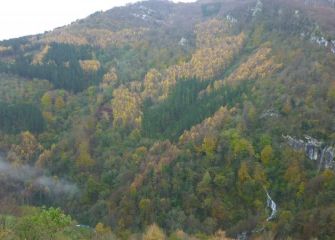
<point>315,150</point>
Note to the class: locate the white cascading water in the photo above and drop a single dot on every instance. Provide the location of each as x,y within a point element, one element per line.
<point>271,204</point>
<point>315,150</point>
<point>321,159</point>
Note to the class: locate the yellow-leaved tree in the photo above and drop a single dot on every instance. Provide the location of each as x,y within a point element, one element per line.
<point>103,232</point>
<point>109,79</point>
<point>59,103</point>
<point>243,172</point>
<point>27,151</point>
<point>84,159</point>
<point>153,232</point>
<point>126,108</point>
<point>266,155</point>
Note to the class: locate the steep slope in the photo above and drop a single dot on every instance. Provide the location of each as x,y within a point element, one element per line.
<point>207,116</point>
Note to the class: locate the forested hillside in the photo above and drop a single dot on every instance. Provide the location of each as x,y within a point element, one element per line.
<point>157,120</point>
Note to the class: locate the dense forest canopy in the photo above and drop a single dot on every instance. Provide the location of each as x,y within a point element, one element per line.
<point>157,120</point>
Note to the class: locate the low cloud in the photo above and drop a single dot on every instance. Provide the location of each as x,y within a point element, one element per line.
<point>26,173</point>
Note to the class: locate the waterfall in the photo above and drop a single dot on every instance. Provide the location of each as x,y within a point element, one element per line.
<point>271,204</point>
<point>315,150</point>
<point>321,159</point>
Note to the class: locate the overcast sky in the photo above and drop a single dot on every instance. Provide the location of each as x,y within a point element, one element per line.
<point>25,17</point>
